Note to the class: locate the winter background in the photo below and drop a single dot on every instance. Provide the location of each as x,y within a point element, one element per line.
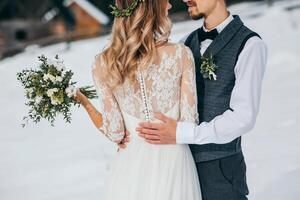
<point>72,161</point>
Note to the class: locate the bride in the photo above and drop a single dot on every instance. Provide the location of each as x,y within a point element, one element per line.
<point>138,74</point>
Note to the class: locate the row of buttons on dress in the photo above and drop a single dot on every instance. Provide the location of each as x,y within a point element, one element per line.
<point>146,110</point>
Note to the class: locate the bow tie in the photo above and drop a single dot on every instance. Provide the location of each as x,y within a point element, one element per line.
<point>203,35</point>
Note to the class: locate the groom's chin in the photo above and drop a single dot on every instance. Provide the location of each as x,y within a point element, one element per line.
<point>196,17</point>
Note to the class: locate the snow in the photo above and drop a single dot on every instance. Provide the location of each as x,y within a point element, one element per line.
<point>71,161</point>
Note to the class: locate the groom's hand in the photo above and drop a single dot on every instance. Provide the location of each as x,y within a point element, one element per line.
<point>159,133</point>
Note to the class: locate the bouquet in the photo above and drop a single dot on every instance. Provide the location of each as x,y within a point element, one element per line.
<point>49,90</point>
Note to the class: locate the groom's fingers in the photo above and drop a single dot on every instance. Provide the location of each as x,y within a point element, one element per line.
<point>153,141</point>
<point>148,125</point>
<point>148,132</point>
<point>151,137</point>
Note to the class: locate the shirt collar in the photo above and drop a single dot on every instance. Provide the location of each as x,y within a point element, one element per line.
<point>221,26</point>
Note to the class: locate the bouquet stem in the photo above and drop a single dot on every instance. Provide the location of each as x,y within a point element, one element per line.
<point>89,92</point>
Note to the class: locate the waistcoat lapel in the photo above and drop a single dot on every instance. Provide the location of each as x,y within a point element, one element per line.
<point>224,37</point>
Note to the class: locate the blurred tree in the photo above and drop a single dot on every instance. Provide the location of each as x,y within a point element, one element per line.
<point>26,9</point>
<point>104,6</point>
<point>66,13</point>
<point>270,2</point>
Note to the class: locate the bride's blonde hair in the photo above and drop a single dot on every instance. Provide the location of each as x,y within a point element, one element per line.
<point>135,39</point>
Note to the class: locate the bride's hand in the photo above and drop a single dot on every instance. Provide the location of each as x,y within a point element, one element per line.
<point>123,143</point>
<point>79,97</point>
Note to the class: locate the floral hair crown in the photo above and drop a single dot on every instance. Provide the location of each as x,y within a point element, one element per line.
<point>127,11</point>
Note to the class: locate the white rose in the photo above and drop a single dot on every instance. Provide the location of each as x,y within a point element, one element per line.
<point>58,79</point>
<point>50,92</point>
<point>38,100</point>
<point>54,102</point>
<point>58,64</point>
<point>52,62</point>
<point>71,91</point>
<point>45,77</point>
<point>52,78</point>
<point>49,77</point>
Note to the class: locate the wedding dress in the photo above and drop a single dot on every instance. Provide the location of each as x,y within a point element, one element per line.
<point>145,171</point>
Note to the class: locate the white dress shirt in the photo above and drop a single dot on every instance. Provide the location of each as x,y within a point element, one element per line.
<point>245,98</point>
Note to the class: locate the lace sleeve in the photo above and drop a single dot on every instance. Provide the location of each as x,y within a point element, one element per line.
<point>188,98</point>
<point>113,125</point>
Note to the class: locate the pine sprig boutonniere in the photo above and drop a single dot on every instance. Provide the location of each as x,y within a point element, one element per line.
<point>208,68</point>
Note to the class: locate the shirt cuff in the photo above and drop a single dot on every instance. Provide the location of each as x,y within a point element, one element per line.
<point>185,133</point>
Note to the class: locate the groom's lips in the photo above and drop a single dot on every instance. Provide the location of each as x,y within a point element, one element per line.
<point>190,8</point>
<point>191,5</point>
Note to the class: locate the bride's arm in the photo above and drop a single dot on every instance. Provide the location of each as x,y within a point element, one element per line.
<point>93,113</point>
<point>96,117</point>
<point>108,119</point>
<point>188,98</point>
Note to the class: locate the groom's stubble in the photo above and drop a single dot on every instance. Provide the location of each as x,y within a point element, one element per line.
<point>199,9</point>
<point>193,10</point>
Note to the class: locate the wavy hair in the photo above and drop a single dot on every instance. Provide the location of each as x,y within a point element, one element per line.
<point>135,40</point>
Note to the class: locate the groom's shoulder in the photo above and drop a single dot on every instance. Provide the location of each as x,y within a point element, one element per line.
<point>251,40</point>
<point>248,32</point>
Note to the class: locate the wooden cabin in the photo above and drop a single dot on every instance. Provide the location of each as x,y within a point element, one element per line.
<point>17,34</point>
<point>89,20</point>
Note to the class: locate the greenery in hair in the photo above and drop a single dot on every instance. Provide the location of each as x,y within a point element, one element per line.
<point>127,11</point>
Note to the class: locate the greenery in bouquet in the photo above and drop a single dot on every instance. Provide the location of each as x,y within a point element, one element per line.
<point>49,90</point>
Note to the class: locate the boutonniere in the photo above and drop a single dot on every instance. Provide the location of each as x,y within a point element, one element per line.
<point>208,68</point>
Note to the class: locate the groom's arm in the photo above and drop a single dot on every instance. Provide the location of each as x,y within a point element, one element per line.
<point>244,103</point>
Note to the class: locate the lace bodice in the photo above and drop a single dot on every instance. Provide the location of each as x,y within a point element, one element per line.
<point>168,82</point>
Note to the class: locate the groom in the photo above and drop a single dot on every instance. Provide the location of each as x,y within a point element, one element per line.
<point>227,106</point>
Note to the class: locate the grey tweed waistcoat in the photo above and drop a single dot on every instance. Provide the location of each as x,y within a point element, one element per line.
<point>214,96</point>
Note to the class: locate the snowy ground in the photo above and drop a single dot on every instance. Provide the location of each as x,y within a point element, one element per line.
<point>71,162</point>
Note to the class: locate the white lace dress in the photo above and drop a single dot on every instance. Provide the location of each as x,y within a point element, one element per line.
<point>144,171</point>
